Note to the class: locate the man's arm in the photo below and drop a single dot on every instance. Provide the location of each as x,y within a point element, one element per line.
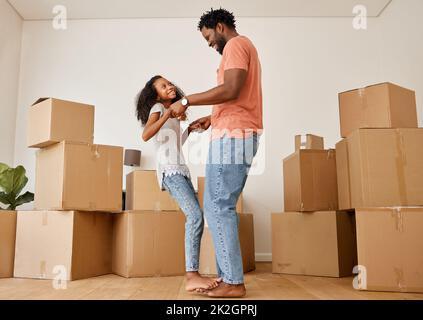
<point>234,80</point>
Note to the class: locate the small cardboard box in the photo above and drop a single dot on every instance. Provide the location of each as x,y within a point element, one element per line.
<point>310,142</point>
<point>143,193</point>
<point>390,249</point>
<point>310,181</point>
<point>384,105</point>
<point>201,182</point>
<point>246,240</point>
<point>79,176</point>
<point>149,243</point>
<point>7,242</point>
<point>52,120</point>
<point>65,245</point>
<point>380,168</point>
<point>315,244</point>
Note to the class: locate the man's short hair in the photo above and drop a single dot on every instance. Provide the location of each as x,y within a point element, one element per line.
<point>211,18</point>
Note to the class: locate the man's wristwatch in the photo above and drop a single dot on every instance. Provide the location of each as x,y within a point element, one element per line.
<point>185,102</point>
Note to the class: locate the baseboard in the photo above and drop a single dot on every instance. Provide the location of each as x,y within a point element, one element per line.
<point>263,257</point>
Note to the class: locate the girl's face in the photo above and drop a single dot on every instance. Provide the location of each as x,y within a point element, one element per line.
<point>166,91</point>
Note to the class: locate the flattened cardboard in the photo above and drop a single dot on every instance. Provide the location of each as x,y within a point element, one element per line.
<point>381,168</point>
<point>246,240</point>
<point>71,244</point>
<point>312,142</point>
<point>201,185</point>
<point>310,182</point>
<point>143,193</point>
<point>316,244</point>
<point>149,244</point>
<point>52,120</point>
<point>78,176</point>
<point>384,105</point>
<point>7,242</point>
<point>390,247</point>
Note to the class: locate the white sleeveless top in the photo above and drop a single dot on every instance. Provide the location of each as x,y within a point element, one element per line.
<point>168,143</point>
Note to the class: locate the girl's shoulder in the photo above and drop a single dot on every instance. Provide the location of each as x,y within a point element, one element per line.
<point>158,107</point>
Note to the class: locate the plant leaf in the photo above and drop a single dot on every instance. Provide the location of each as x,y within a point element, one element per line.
<point>25,198</point>
<point>13,180</point>
<point>3,167</point>
<point>4,198</point>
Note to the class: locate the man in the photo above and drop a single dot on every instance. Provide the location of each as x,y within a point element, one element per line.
<point>236,123</point>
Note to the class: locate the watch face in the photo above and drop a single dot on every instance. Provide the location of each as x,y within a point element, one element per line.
<point>184,102</point>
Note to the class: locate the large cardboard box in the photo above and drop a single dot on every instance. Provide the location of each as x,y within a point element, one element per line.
<point>380,168</point>
<point>315,244</point>
<point>200,183</point>
<point>79,176</point>
<point>390,249</point>
<point>143,193</point>
<point>149,243</point>
<point>383,105</point>
<point>65,245</point>
<point>246,239</point>
<point>310,142</point>
<point>310,181</point>
<point>52,120</point>
<point>7,242</point>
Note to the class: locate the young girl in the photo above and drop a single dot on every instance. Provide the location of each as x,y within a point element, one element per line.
<point>172,173</point>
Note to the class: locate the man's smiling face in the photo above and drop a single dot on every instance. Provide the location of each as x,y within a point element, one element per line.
<point>214,39</point>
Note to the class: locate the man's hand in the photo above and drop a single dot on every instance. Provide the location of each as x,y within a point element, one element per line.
<point>177,109</point>
<point>202,123</point>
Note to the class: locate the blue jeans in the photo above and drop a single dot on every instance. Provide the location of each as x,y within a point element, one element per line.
<point>181,189</point>
<point>228,164</point>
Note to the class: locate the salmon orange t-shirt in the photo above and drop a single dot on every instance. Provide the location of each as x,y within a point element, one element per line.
<point>237,118</point>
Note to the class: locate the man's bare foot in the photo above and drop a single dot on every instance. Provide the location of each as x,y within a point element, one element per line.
<point>225,290</point>
<point>197,282</point>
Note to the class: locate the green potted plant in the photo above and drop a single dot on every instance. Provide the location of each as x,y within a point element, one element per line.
<point>12,182</point>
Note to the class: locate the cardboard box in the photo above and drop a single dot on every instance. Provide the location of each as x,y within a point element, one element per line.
<point>246,239</point>
<point>310,142</point>
<point>148,243</point>
<point>315,244</point>
<point>143,193</point>
<point>390,249</point>
<point>52,120</point>
<point>383,105</point>
<point>380,168</point>
<point>69,245</point>
<point>310,181</point>
<point>200,184</point>
<point>78,176</point>
<point>7,242</point>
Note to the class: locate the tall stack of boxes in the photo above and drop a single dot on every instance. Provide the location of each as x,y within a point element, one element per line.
<point>77,186</point>
<point>311,237</point>
<point>245,233</point>
<point>380,175</point>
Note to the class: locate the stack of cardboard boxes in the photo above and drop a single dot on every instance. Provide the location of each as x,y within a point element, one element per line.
<point>77,186</point>
<point>380,175</point>
<point>312,237</point>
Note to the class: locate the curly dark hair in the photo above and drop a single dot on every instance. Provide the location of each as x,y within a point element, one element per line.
<point>211,18</point>
<point>147,98</point>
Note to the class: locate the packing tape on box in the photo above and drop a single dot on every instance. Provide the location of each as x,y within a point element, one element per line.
<point>330,154</point>
<point>399,278</point>
<point>364,105</point>
<point>401,162</point>
<point>44,219</point>
<point>399,218</point>
<point>94,150</point>
<point>43,269</point>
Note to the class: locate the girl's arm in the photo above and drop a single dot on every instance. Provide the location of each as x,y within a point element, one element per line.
<point>154,123</point>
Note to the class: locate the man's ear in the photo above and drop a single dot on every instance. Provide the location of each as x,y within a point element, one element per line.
<point>220,27</point>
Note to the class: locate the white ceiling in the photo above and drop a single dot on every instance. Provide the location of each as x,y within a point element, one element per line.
<point>108,9</point>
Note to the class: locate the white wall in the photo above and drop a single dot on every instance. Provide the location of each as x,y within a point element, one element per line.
<point>306,62</point>
<point>10,46</point>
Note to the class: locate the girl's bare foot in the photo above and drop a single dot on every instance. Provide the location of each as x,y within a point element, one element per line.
<point>196,282</point>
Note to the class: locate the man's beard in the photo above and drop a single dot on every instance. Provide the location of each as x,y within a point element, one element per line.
<point>221,43</point>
